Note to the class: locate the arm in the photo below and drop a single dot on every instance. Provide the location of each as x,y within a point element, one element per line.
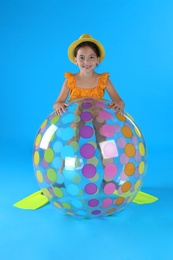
<point>60,104</point>
<point>117,101</point>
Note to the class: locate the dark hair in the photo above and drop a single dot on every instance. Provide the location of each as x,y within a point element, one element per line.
<point>92,45</point>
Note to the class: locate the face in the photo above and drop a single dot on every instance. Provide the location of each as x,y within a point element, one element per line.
<point>86,59</point>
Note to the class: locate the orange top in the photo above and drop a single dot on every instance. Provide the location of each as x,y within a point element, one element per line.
<point>96,92</point>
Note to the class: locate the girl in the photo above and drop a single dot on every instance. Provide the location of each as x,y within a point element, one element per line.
<point>86,53</point>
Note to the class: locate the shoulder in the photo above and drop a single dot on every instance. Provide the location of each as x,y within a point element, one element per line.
<point>70,80</point>
<point>104,77</point>
<point>68,75</point>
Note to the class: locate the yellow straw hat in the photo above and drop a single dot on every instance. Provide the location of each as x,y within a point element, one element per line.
<point>85,38</point>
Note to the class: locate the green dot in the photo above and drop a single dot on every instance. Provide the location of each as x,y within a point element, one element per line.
<point>75,145</point>
<point>66,205</point>
<point>58,192</point>
<point>48,155</point>
<point>51,174</point>
<point>54,120</point>
<point>76,119</point>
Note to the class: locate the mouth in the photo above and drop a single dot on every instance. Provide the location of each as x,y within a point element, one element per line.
<point>87,67</point>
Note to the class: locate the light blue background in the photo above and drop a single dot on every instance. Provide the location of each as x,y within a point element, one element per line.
<point>34,37</point>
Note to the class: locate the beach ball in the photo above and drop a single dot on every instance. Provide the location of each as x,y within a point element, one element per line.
<point>90,161</point>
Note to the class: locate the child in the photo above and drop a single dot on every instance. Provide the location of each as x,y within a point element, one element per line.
<point>86,53</point>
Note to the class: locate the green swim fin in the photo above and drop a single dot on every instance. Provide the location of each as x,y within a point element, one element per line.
<point>38,200</point>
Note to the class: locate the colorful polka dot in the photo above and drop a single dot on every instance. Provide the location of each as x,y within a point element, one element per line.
<point>110,170</point>
<point>130,150</point>
<point>109,188</point>
<point>49,155</point>
<point>129,169</point>
<point>89,170</point>
<point>86,131</point>
<point>87,151</point>
<point>90,188</point>
<point>107,130</point>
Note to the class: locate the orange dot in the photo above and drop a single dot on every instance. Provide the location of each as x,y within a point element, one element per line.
<point>119,201</point>
<point>127,132</point>
<point>129,169</point>
<point>121,117</point>
<point>111,211</point>
<point>126,186</point>
<point>130,150</point>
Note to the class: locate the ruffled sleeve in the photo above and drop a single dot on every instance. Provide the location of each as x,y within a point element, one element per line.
<point>71,84</point>
<point>103,80</point>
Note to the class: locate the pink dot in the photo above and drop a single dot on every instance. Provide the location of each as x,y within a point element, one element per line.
<point>110,170</point>
<point>107,130</point>
<point>110,150</point>
<point>106,203</point>
<point>105,115</point>
<point>109,188</point>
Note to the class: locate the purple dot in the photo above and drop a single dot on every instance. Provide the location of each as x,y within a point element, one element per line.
<point>96,212</point>
<point>89,170</point>
<point>86,131</point>
<point>86,116</point>
<point>91,188</point>
<point>86,105</point>
<point>93,203</point>
<point>87,151</point>
<point>44,163</point>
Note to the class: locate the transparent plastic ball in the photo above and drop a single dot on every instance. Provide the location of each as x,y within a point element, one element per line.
<point>91,161</point>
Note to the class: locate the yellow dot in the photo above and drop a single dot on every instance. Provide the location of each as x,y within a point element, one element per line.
<point>121,117</point>
<point>142,149</point>
<point>69,213</point>
<point>37,140</point>
<point>36,157</point>
<point>46,193</point>
<point>43,124</point>
<point>129,169</point>
<point>130,150</point>
<point>137,185</point>
<point>66,205</point>
<point>119,201</point>
<point>141,167</point>
<point>126,186</point>
<point>130,117</point>
<point>137,131</point>
<point>58,192</point>
<point>127,132</point>
<point>39,176</point>
<point>130,199</point>
<point>56,204</point>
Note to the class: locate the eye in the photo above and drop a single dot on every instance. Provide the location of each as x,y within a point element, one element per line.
<point>81,57</point>
<point>92,57</point>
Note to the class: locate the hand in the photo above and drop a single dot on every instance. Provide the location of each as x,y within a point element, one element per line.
<point>59,108</point>
<point>117,105</point>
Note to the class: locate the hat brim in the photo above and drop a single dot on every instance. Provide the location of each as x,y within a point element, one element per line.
<point>74,44</point>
